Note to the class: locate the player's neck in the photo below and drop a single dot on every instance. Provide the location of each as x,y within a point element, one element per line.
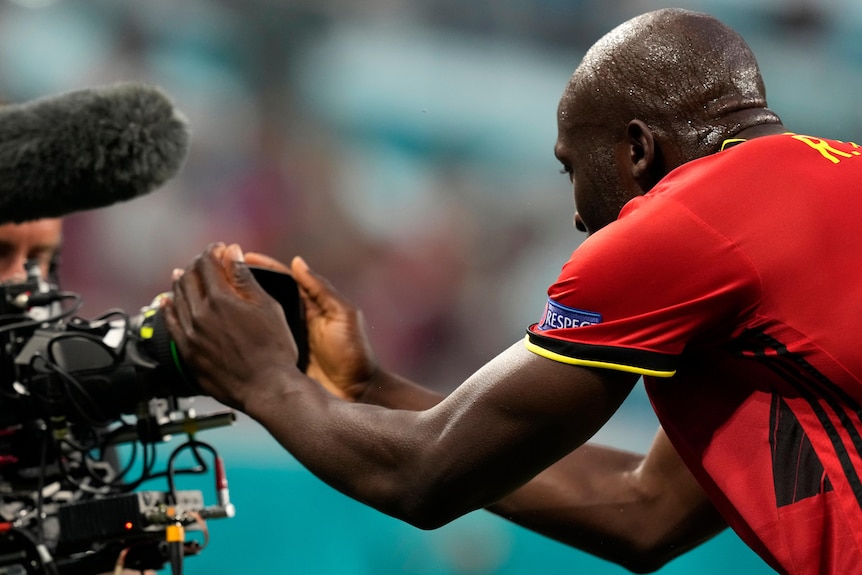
<point>760,130</point>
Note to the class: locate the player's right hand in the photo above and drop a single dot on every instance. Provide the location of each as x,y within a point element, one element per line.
<point>340,355</point>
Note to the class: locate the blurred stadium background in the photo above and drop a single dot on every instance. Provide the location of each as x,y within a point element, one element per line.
<point>404,148</point>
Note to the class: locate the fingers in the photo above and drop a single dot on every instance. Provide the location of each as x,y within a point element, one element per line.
<point>318,290</point>
<point>176,312</point>
<point>216,266</point>
<point>233,262</point>
<point>221,269</point>
<point>232,254</point>
<point>263,261</point>
<point>190,287</point>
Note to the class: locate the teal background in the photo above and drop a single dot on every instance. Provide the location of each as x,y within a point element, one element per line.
<point>289,522</point>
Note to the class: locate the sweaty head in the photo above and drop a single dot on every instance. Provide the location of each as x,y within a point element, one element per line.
<point>690,79</point>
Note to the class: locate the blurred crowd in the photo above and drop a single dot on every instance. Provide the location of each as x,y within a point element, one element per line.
<point>404,148</point>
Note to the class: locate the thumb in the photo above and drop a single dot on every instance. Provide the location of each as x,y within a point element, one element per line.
<point>316,288</point>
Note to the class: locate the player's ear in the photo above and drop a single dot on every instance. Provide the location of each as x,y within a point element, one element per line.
<point>642,153</point>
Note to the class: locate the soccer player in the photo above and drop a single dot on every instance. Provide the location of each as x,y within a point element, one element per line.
<point>721,266</point>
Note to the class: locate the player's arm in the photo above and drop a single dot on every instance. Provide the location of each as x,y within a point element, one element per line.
<point>510,420</point>
<point>636,510</point>
<point>639,511</point>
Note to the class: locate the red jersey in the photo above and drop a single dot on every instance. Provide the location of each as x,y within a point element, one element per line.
<point>735,287</point>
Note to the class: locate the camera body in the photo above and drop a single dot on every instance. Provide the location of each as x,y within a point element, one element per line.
<point>84,407</point>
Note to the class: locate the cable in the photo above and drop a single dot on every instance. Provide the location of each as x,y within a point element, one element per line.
<point>121,344</point>
<point>202,466</point>
<point>175,537</point>
<point>201,522</point>
<point>72,383</point>
<point>79,301</point>
<point>149,461</point>
<point>190,444</point>
<point>45,558</point>
<point>106,442</point>
<point>40,487</point>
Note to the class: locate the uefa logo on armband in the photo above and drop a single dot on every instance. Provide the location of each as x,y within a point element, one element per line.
<point>558,316</point>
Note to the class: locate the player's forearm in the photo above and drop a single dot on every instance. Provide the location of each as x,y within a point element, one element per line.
<point>428,467</point>
<point>588,500</point>
<point>329,436</point>
<point>395,392</point>
<point>400,461</point>
<point>601,500</point>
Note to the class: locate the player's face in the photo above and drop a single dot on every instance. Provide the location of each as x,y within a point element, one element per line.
<point>596,186</point>
<point>39,240</point>
<point>597,162</point>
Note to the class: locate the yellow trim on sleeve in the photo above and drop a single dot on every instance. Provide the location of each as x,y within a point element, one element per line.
<point>538,350</point>
<point>730,142</point>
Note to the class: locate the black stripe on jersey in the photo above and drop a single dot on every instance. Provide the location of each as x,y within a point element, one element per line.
<point>611,357</point>
<point>797,472</point>
<point>813,386</point>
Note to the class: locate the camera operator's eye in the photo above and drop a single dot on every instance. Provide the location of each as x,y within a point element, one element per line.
<point>13,263</point>
<point>15,267</point>
<point>8,257</point>
<point>45,258</point>
<point>37,241</point>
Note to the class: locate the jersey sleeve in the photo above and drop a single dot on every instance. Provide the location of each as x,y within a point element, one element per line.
<point>634,295</point>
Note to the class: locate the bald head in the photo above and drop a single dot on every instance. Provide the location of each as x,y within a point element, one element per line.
<point>656,92</point>
<point>692,79</point>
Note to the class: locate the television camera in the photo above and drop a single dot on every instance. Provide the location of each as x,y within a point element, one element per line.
<point>84,405</point>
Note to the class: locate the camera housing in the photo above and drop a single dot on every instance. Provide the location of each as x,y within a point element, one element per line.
<point>72,393</point>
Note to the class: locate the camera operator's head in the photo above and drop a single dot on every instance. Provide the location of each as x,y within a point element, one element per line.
<point>35,240</point>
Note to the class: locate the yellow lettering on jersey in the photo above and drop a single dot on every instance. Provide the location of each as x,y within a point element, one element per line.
<point>828,151</point>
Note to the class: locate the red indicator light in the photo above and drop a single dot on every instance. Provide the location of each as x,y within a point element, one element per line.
<point>128,525</point>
